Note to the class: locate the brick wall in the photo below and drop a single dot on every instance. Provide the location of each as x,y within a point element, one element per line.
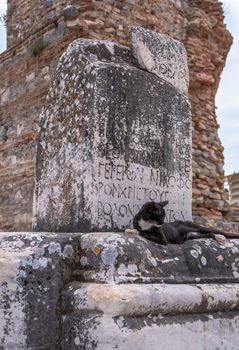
<point>40,30</point>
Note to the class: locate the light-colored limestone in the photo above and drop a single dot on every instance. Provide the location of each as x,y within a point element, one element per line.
<point>162,55</point>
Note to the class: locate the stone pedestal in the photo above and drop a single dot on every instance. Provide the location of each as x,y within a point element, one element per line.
<point>152,317</point>
<point>116,291</point>
<point>113,136</point>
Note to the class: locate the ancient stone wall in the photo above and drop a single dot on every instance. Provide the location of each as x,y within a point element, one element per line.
<point>207,43</point>
<point>39,31</point>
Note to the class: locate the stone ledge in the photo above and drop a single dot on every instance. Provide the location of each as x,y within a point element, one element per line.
<point>153,316</point>
<point>37,267</point>
<point>125,258</point>
<point>199,331</point>
<point>150,299</point>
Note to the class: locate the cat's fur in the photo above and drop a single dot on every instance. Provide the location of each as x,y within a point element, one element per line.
<point>149,223</point>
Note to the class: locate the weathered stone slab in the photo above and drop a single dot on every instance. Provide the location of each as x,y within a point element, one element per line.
<point>34,269</point>
<point>125,258</point>
<point>112,137</point>
<point>161,55</point>
<point>145,299</point>
<point>52,295</point>
<point>94,330</point>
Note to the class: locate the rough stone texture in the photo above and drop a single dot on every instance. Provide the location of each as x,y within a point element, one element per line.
<point>233,214</point>
<point>232,225</point>
<point>207,45</point>
<point>34,268</point>
<point>25,79</point>
<point>112,138</point>
<point>205,331</point>
<point>144,299</point>
<point>161,55</point>
<point>118,258</point>
<point>70,12</point>
<point>88,291</point>
<point>153,316</point>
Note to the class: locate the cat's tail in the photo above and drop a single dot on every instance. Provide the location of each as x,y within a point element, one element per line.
<point>231,235</point>
<point>214,230</point>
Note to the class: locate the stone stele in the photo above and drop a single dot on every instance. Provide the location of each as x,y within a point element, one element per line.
<point>112,137</point>
<point>161,55</point>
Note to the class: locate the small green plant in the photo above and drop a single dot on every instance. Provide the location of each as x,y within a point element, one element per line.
<point>37,46</point>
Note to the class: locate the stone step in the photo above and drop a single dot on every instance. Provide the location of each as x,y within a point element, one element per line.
<point>69,290</point>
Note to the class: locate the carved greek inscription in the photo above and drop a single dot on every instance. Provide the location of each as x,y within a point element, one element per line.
<point>122,210</point>
<point>166,70</point>
<point>171,65</point>
<point>143,146</point>
<point>122,189</point>
<point>160,178</point>
<point>118,172</point>
<point>107,210</point>
<point>155,177</point>
<point>168,52</point>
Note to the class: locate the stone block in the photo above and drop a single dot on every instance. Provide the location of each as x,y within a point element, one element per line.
<point>92,330</point>
<point>70,12</point>
<point>109,290</point>
<point>55,34</point>
<point>126,303</point>
<point>47,3</point>
<point>117,258</point>
<point>161,55</point>
<point>34,269</point>
<point>112,137</point>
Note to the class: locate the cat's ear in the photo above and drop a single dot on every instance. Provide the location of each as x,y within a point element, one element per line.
<point>151,205</point>
<point>163,204</point>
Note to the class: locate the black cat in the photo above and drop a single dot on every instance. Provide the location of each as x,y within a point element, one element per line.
<point>149,222</point>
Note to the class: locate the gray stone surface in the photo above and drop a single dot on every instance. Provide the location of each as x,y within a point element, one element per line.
<point>52,295</point>
<point>144,299</point>
<point>3,132</point>
<point>154,332</point>
<point>161,55</point>
<point>70,12</point>
<point>226,226</point>
<point>130,310</point>
<point>34,269</point>
<point>47,3</point>
<point>112,137</point>
<point>126,258</point>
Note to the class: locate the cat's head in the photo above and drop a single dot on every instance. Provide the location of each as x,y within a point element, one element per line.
<point>154,211</point>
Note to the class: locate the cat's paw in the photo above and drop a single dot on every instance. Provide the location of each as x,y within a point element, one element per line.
<point>132,231</point>
<point>220,238</point>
